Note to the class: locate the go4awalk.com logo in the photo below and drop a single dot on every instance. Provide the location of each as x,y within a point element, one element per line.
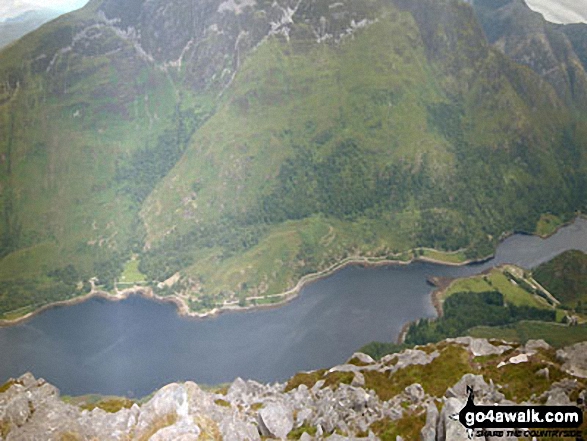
<point>520,421</point>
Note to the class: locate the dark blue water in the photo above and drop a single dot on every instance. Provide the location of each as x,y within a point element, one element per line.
<point>135,346</point>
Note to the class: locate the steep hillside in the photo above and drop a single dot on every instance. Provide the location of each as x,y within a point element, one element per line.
<point>565,277</point>
<point>552,51</point>
<point>232,147</point>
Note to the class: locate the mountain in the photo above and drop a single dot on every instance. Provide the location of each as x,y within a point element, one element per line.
<point>409,395</point>
<point>13,28</point>
<point>552,51</point>
<point>221,150</point>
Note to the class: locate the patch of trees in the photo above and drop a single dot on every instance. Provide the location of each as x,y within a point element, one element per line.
<point>106,271</point>
<point>22,293</point>
<point>139,174</point>
<point>176,252</point>
<point>465,310</point>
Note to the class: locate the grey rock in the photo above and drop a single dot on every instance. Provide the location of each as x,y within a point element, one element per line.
<point>17,410</point>
<point>483,392</point>
<point>275,420</point>
<point>28,380</point>
<point>557,397</point>
<point>409,357</point>
<point>233,428</point>
<point>358,380</point>
<point>306,437</point>
<point>448,429</point>
<point>168,404</point>
<point>303,416</point>
<point>480,346</point>
<point>346,368</point>
<point>237,389</point>
<point>363,358</point>
<point>544,373</point>
<point>574,359</point>
<point>428,432</point>
<point>318,386</point>
<point>182,431</point>
<point>415,393</point>
<point>533,346</point>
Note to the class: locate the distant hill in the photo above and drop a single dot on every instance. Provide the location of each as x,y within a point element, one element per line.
<point>229,148</point>
<point>14,28</point>
<point>561,11</point>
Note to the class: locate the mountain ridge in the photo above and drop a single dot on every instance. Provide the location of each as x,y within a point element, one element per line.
<point>237,163</point>
<point>409,394</point>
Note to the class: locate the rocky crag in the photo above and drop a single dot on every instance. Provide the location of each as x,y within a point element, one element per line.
<point>404,396</point>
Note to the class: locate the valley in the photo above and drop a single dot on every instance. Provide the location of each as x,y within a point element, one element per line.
<point>306,146</point>
<point>214,190</point>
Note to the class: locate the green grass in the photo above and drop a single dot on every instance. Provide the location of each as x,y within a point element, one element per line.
<point>547,225</point>
<point>408,427</point>
<point>435,377</point>
<point>496,280</point>
<point>131,273</point>
<point>446,257</point>
<point>555,334</point>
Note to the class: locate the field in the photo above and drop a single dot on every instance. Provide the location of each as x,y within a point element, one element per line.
<point>555,334</point>
<point>497,280</point>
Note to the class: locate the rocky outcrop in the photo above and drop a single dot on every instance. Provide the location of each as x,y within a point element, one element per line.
<point>575,359</point>
<point>361,399</point>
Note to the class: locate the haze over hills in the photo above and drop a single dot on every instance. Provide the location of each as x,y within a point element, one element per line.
<point>231,147</point>
<point>18,18</point>
<point>10,9</point>
<point>13,28</point>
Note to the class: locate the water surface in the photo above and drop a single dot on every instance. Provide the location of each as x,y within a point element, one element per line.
<point>137,345</point>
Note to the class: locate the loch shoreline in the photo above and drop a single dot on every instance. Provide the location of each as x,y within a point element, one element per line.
<point>183,309</point>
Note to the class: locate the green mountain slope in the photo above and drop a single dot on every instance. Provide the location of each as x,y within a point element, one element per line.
<point>565,277</point>
<point>555,52</point>
<point>244,145</point>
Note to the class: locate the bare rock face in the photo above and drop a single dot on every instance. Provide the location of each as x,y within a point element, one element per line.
<point>480,347</point>
<point>428,433</point>
<point>575,359</point>
<point>31,409</point>
<point>533,346</point>
<point>276,420</point>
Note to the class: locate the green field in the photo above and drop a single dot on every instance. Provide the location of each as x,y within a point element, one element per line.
<point>496,280</point>
<point>131,273</point>
<point>555,334</point>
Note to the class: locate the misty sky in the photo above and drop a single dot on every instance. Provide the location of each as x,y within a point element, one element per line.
<point>561,11</point>
<point>12,8</point>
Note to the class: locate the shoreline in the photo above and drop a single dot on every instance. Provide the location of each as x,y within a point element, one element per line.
<point>183,309</point>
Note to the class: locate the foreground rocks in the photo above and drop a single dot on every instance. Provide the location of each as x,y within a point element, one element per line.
<point>362,399</point>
